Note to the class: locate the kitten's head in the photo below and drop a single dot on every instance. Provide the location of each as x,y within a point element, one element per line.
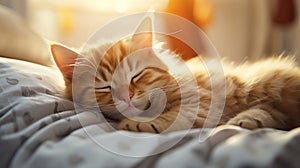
<point>129,77</point>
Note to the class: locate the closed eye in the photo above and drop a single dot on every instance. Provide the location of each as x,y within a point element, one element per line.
<point>145,69</point>
<point>135,76</point>
<point>103,89</point>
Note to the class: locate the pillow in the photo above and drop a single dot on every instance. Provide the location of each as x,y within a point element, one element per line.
<point>30,100</point>
<point>18,41</point>
<point>30,86</point>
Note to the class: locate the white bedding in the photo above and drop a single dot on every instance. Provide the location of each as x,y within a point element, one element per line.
<point>40,129</point>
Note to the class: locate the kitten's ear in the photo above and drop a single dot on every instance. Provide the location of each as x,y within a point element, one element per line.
<point>143,36</point>
<point>65,59</point>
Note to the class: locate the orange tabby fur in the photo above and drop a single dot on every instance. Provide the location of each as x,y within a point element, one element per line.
<point>261,94</point>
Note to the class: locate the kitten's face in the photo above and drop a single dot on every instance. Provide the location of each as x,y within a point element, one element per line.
<point>130,79</point>
<point>127,79</point>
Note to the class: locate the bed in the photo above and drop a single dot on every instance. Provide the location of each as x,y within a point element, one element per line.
<point>39,128</point>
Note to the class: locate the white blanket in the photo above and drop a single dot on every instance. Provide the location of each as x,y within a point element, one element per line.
<point>40,129</point>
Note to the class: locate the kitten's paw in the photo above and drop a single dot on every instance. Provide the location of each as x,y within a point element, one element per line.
<point>139,124</point>
<point>246,122</point>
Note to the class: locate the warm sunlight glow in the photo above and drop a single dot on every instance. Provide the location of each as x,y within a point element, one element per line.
<point>66,19</point>
<point>203,12</point>
<point>72,22</point>
<point>107,6</point>
<point>121,6</point>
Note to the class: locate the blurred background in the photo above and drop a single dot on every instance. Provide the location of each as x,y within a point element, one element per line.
<point>239,29</point>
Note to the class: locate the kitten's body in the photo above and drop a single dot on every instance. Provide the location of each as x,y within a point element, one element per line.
<point>263,94</point>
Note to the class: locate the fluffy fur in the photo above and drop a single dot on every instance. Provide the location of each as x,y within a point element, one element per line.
<point>150,90</point>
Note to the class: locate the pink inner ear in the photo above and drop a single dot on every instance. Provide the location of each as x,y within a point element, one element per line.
<point>142,40</point>
<point>143,36</point>
<point>65,59</point>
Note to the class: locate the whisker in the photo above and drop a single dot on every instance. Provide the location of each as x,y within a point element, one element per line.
<point>94,61</point>
<point>85,65</point>
<point>91,63</point>
<point>175,32</point>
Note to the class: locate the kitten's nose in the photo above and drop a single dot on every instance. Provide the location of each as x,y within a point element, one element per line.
<point>126,97</point>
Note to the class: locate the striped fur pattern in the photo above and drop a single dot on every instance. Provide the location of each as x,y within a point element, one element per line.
<point>130,77</point>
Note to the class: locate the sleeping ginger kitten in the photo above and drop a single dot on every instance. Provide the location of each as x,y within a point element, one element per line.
<point>132,83</point>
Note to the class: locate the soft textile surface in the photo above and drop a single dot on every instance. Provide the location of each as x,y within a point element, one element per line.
<point>40,129</point>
